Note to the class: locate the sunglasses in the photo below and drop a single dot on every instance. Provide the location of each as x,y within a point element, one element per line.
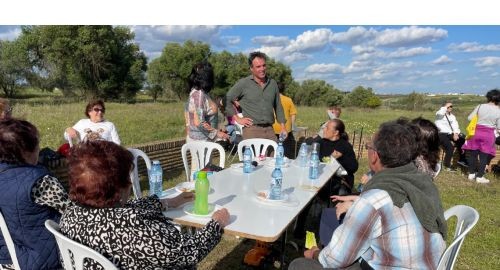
<point>98,110</point>
<point>368,147</point>
<point>450,106</point>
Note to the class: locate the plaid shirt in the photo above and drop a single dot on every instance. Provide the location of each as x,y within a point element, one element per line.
<point>385,236</point>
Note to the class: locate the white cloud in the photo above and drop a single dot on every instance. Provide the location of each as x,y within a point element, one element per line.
<point>442,60</point>
<point>9,32</point>
<point>473,47</point>
<point>231,40</point>
<point>487,61</point>
<point>495,74</point>
<point>296,56</point>
<point>354,35</point>
<point>324,68</point>
<point>359,49</point>
<point>358,66</point>
<point>403,53</point>
<point>271,40</point>
<point>152,39</point>
<point>409,36</point>
<point>310,41</point>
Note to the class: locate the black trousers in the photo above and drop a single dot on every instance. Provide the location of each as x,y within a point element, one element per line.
<point>445,140</point>
<point>472,160</point>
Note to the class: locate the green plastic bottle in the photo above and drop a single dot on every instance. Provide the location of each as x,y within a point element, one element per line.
<point>201,188</point>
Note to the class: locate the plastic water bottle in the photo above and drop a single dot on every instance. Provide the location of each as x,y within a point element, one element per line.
<point>156,179</point>
<point>276,182</point>
<point>314,164</point>
<point>303,155</point>
<point>201,188</point>
<point>280,155</point>
<point>247,160</point>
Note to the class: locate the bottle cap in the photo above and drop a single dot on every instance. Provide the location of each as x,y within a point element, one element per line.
<point>156,162</point>
<point>315,147</point>
<point>201,175</point>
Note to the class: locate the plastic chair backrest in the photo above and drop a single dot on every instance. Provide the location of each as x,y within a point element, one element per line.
<point>72,251</point>
<point>8,241</point>
<point>134,175</point>
<point>438,170</point>
<point>467,218</point>
<point>200,153</point>
<point>258,146</point>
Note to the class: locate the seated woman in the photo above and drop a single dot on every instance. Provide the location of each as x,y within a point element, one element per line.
<point>5,109</point>
<point>137,235</point>
<point>29,196</point>
<point>95,127</point>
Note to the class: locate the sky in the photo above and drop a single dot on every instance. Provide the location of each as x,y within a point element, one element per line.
<point>403,53</point>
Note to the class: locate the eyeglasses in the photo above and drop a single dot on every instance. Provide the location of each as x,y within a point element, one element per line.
<point>98,110</point>
<point>369,147</point>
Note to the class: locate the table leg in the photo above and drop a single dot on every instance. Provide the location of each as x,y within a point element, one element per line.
<point>283,249</point>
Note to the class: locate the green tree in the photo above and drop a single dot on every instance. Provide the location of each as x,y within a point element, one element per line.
<point>14,67</point>
<point>317,92</point>
<point>228,69</point>
<point>363,97</point>
<point>97,61</point>
<point>414,101</point>
<point>171,70</point>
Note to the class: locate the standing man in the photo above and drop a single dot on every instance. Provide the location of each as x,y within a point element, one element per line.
<point>290,114</point>
<point>259,99</point>
<point>449,132</point>
<point>397,222</point>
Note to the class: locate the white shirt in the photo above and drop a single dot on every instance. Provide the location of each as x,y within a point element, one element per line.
<point>104,130</point>
<point>442,123</point>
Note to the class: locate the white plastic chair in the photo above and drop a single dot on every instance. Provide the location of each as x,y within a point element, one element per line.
<point>72,251</point>
<point>200,155</point>
<point>9,242</point>
<point>258,146</point>
<point>467,218</point>
<point>134,175</point>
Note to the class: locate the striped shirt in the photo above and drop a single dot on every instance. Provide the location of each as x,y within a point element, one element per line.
<point>385,236</point>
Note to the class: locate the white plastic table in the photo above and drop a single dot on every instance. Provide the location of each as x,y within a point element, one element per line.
<point>252,217</point>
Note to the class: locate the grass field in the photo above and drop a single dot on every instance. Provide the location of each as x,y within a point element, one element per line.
<point>147,122</point>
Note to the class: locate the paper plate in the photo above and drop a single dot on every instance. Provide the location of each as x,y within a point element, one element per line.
<point>189,209</point>
<point>271,162</point>
<point>185,187</point>
<point>263,195</point>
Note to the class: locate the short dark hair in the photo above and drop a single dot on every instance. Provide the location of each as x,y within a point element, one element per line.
<point>281,87</point>
<point>428,145</point>
<point>91,105</point>
<point>254,55</point>
<point>98,172</point>
<point>17,137</point>
<point>201,77</point>
<point>395,143</point>
<point>493,96</point>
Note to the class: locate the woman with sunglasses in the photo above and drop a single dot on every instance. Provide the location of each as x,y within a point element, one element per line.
<point>5,109</point>
<point>95,127</point>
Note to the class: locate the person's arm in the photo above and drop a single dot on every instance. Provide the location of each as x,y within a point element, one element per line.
<point>233,94</point>
<point>293,114</point>
<point>114,134</point>
<point>48,191</point>
<point>454,124</point>
<point>351,239</point>
<point>73,132</point>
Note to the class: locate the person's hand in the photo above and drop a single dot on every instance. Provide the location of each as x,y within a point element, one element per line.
<point>178,200</point>
<point>222,135</point>
<point>336,154</point>
<point>72,133</point>
<point>283,134</point>
<point>207,126</point>
<point>221,216</point>
<point>311,253</point>
<point>340,198</point>
<point>455,136</point>
<point>342,208</point>
<point>245,121</point>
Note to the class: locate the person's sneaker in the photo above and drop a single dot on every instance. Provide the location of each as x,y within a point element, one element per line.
<point>462,163</point>
<point>471,176</point>
<point>482,180</point>
<point>449,169</point>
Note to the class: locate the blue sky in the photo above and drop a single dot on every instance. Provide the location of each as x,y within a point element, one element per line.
<point>390,59</point>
